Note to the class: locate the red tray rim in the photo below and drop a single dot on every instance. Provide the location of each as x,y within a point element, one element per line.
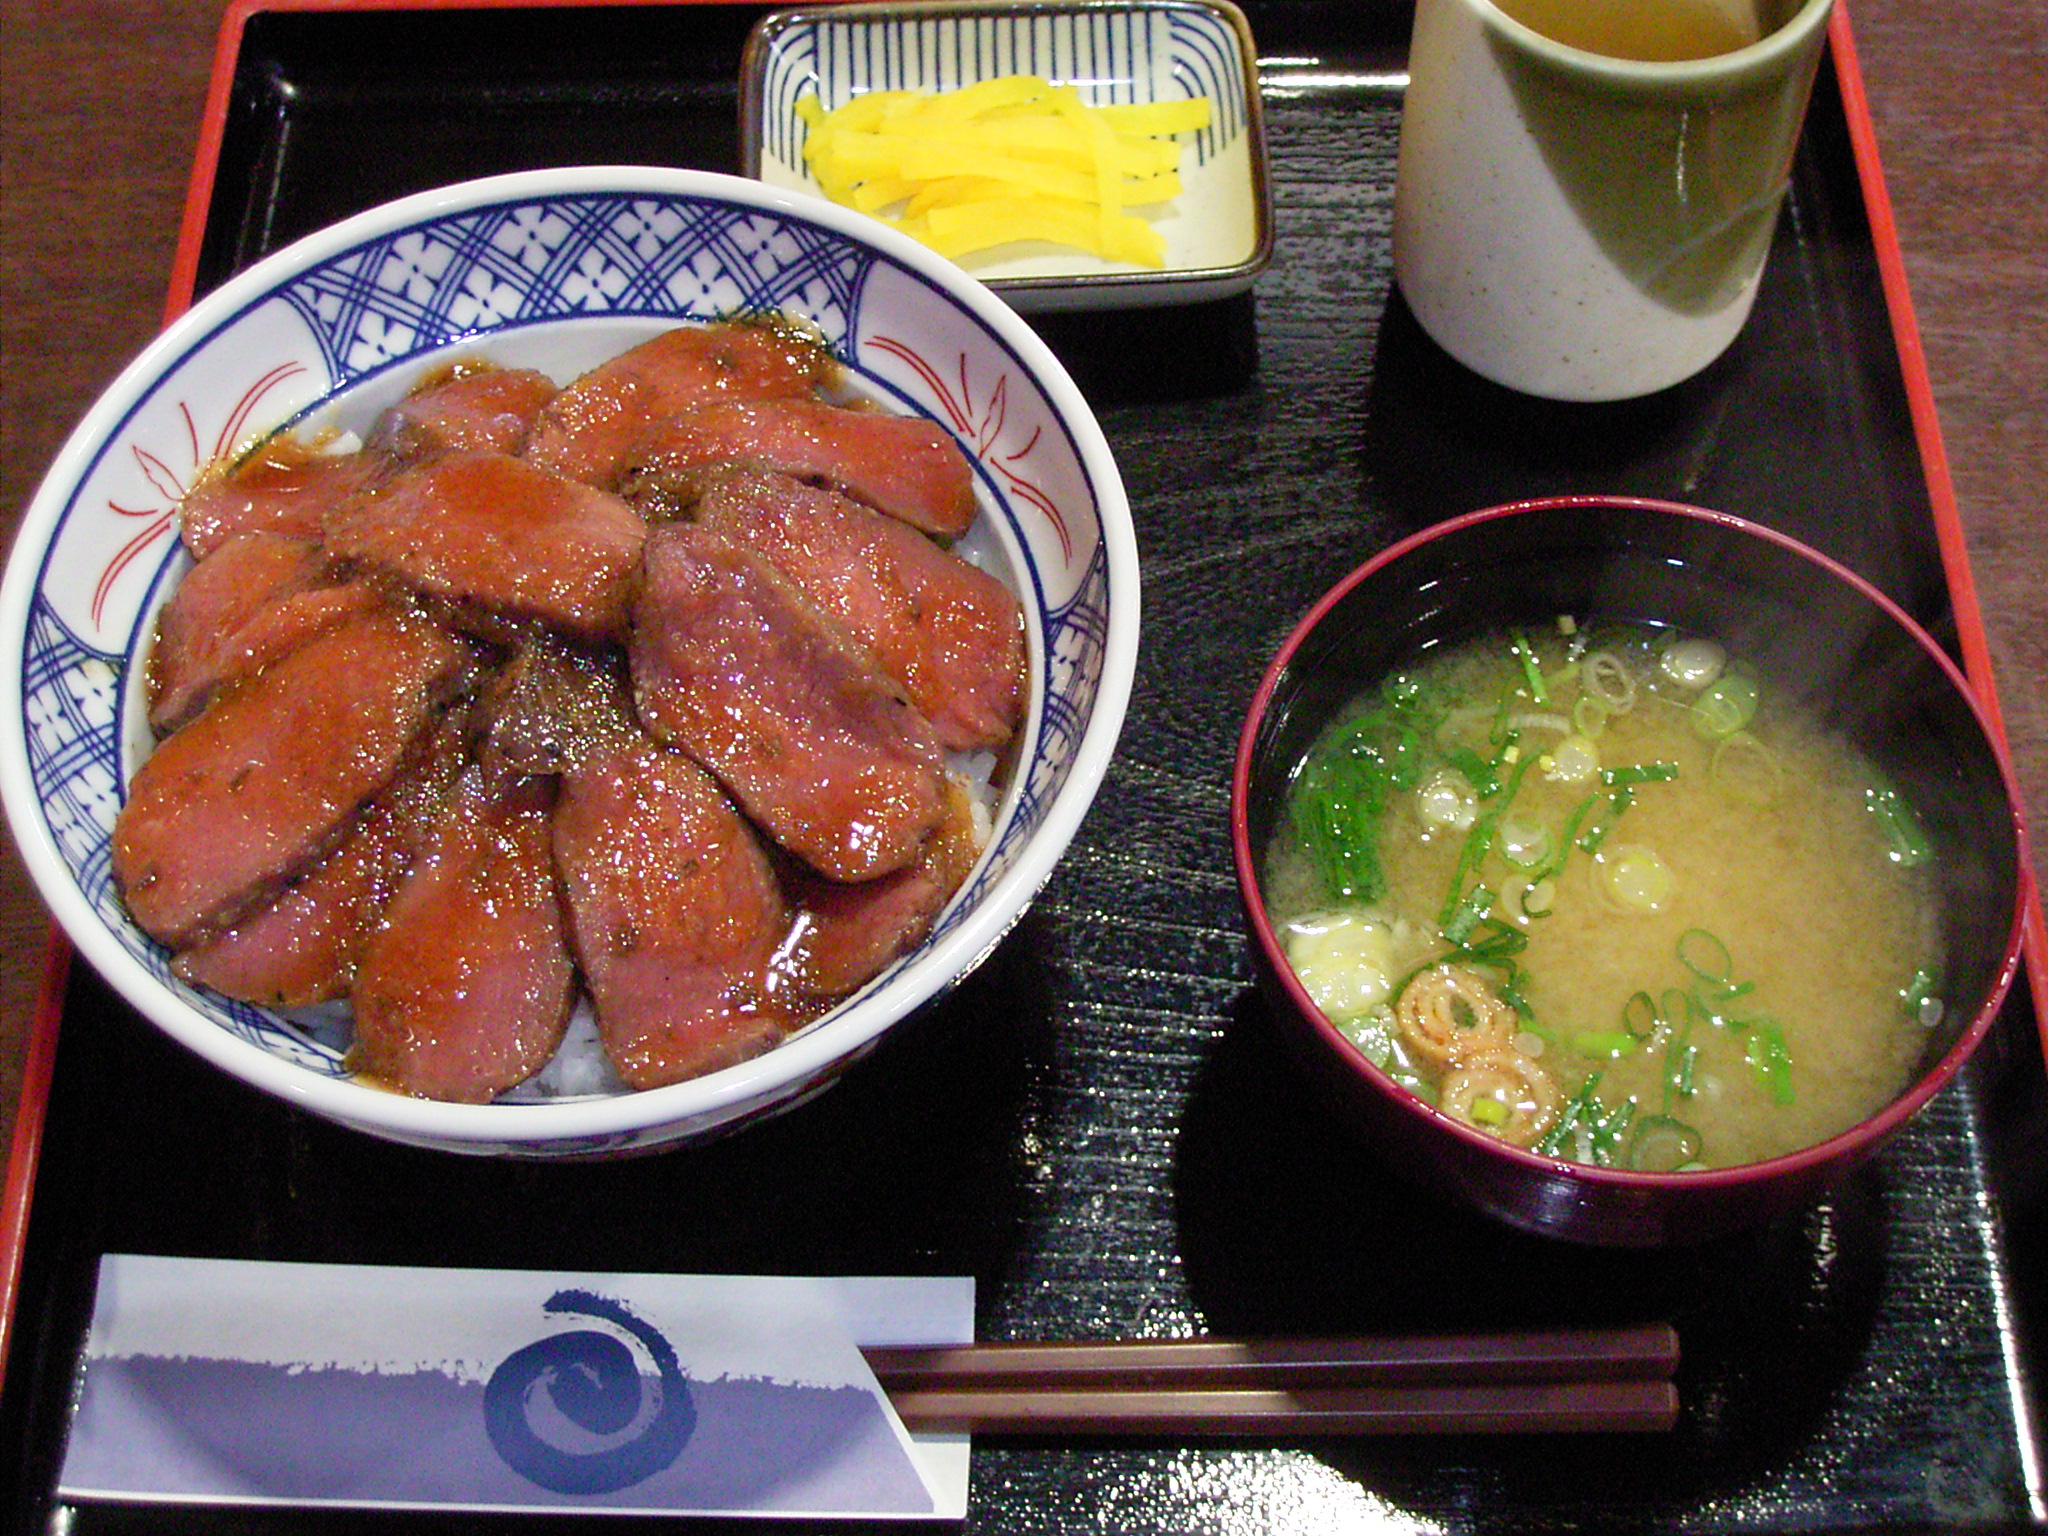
<point>24,1154</point>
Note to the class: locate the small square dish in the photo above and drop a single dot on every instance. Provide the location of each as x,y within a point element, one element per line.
<point>1216,231</point>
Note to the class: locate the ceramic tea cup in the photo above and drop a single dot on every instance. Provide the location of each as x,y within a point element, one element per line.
<point>1587,189</point>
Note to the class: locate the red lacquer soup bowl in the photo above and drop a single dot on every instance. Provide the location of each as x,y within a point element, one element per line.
<point>1846,654</point>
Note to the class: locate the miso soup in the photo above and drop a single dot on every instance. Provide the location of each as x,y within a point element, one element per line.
<point>1611,896</point>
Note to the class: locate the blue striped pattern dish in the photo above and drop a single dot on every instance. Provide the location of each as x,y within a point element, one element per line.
<point>1217,232</point>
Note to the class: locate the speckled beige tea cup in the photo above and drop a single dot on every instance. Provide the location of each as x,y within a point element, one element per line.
<point>1585,226</point>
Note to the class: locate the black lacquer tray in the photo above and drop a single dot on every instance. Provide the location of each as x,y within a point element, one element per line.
<point>1097,1126</point>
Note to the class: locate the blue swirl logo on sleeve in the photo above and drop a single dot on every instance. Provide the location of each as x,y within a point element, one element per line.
<point>577,1412</point>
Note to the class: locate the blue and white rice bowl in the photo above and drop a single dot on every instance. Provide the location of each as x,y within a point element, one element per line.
<point>555,270</point>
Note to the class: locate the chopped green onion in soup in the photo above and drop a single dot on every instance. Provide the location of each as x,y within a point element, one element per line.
<point>1693,663</point>
<point>1634,878</point>
<point>1725,707</point>
<point>1629,904</point>
<point>1446,799</point>
<point>1575,760</point>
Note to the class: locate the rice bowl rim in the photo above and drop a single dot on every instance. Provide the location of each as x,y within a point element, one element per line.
<point>715,1097</point>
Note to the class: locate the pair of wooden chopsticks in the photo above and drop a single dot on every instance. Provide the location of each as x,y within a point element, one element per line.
<point>1572,1380</point>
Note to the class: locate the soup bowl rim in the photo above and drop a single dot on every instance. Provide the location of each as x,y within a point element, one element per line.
<point>1797,1166</point>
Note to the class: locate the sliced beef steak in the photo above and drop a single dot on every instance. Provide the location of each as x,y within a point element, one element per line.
<point>254,600</point>
<point>304,947</point>
<point>273,773</point>
<point>905,466</point>
<point>949,632</point>
<point>674,909</point>
<point>845,933</point>
<point>477,406</point>
<point>465,988</point>
<point>280,489</point>
<point>589,430</point>
<point>486,531</point>
<point>732,664</point>
<point>548,704</point>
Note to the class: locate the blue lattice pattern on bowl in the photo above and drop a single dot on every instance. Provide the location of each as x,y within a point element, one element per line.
<point>517,263</point>
<point>552,270</point>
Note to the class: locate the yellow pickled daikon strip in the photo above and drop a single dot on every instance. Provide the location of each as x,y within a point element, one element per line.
<point>1055,125</point>
<point>862,113</point>
<point>879,193</point>
<point>958,229</point>
<point>953,190</point>
<point>990,95</point>
<point>1069,142</point>
<point>1153,118</point>
<point>1004,160</point>
<point>930,160</point>
<point>1109,198</point>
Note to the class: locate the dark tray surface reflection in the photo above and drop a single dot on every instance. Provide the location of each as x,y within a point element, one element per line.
<point>1096,1126</point>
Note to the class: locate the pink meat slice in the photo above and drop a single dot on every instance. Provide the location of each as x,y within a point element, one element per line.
<point>674,911</point>
<point>475,406</point>
<point>820,747</point>
<point>547,703</point>
<point>949,632</point>
<point>845,933</point>
<point>273,773</point>
<point>304,947</point>
<point>589,430</point>
<point>255,599</point>
<point>276,491</point>
<point>465,988</point>
<point>492,533</point>
<point>905,466</point>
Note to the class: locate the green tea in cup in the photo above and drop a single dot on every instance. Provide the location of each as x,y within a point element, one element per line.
<point>1655,31</point>
<point>1587,189</point>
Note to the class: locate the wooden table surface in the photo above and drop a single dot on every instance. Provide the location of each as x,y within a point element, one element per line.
<point>99,111</point>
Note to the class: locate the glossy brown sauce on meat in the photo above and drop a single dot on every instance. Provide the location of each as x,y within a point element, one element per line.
<point>603,692</point>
